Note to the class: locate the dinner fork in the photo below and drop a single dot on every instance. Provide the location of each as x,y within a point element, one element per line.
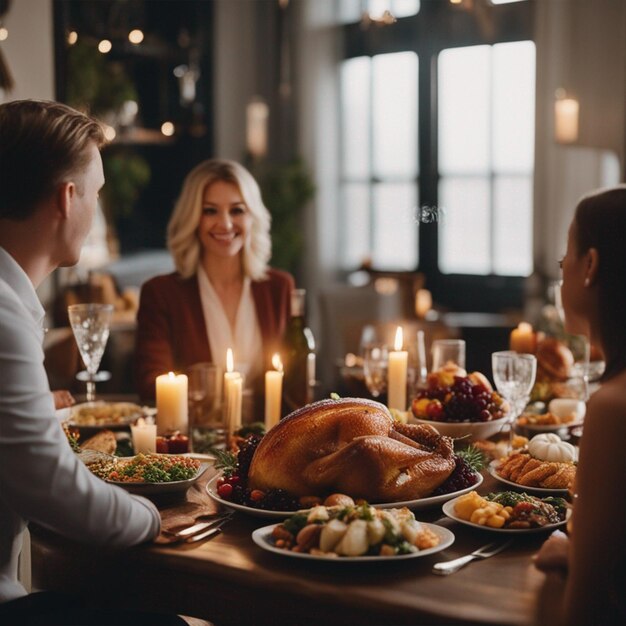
<point>448,567</point>
<point>193,531</point>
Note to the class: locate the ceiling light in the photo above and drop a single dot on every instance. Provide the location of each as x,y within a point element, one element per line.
<point>135,36</point>
<point>105,46</point>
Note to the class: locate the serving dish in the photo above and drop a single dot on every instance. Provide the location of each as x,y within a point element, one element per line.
<point>262,538</point>
<point>422,503</point>
<point>110,415</point>
<point>491,468</point>
<point>473,430</point>
<point>448,509</point>
<point>154,489</point>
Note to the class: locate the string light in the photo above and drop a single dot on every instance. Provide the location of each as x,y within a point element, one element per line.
<point>72,38</point>
<point>135,36</point>
<point>167,128</point>
<point>4,33</point>
<point>105,46</point>
<point>109,133</point>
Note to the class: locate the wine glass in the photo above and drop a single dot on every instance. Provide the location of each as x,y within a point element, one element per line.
<point>514,375</point>
<point>90,324</point>
<point>375,364</point>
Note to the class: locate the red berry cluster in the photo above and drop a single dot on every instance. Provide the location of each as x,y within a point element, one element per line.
<point>462,476</point>
<point>463,401</point>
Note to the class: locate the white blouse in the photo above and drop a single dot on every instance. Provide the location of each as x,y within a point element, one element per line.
<point>246,340</point>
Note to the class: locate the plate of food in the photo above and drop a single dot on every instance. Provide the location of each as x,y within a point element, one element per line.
<point>347,447</point>
<point>508,512</point>
<point>101,414</point>
<point>547,465</point>
<point>246,505</point>
<point>492,469</point>
<point>148,474</point>
<point>460,405</point>
<point>353,534</point>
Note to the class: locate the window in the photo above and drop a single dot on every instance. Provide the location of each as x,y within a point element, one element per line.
<point>486,142</point>
<point>379,161</point>
<point>450,137</point>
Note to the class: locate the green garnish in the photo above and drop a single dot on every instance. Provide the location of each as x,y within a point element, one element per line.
<point>295,523</point>
<point>364,512</point>
<point>473,457</point>
<point>226,461</point>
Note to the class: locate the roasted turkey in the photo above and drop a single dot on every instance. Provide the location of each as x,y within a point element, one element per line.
<point>351,446</point>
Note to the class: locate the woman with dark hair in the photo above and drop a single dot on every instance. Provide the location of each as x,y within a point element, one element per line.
<point>223,293</point>
<point>586,572</point>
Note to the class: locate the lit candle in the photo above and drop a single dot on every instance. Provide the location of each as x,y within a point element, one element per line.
<point>171,401</point>
<point>566,120</point>
<point>257,113</point>
<point>523,339</point>
<point>273,393</point>
<point>398,360</point>
<point>144,436</point>
<point>423,302</point>
<point>233,395</point>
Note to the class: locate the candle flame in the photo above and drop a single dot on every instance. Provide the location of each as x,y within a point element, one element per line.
<point>525,327</point>
<point>229,360</point>
<point>277,363</point>
<point>399,339</point>
<point>140,422</point>
<point>171,375</point>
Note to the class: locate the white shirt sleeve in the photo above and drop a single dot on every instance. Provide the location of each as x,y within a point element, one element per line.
<point>41,479</point>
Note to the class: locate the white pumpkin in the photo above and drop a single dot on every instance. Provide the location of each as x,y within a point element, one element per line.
<point>550,447</point>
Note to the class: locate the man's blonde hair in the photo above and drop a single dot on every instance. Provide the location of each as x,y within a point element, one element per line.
<point>42,144</point>
<point>182,230</point>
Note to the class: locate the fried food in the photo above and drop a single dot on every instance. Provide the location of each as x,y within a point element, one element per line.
<point>522,468</point>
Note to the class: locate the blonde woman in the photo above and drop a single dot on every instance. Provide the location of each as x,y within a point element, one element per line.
<point>223,294</point>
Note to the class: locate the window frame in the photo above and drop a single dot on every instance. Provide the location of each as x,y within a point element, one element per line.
<point>436,27</point>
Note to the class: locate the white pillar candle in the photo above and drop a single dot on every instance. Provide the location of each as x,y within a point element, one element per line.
<point>171,401</point>
<point>273,393</point>
<point>398,360</point>
<point>566,120</point>
<point>233,395</point>
<point>144,437</point>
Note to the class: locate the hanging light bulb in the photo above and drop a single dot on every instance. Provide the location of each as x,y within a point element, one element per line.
<point>72,37</point>
<point>167,128</point>
<point>135,36</point>
<point>105,46</point>
<point>4,33</point>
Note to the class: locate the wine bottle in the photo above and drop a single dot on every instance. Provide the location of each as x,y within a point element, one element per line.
<point>299,355</point>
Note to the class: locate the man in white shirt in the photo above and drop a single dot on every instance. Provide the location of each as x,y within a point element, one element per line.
<point>50,176</point>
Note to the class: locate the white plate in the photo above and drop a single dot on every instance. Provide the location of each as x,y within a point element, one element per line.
<point>535,490</point>
<point>261,536</point>
<point>152,489</point>
<point>136,411</point>
<point>448,509</point>
<point>545,428</point>
<point>416,505</point>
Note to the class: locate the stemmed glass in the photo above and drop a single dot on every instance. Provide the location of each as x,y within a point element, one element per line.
<point>514,375</point>
<point>375,364</point>
<point>90,324</point>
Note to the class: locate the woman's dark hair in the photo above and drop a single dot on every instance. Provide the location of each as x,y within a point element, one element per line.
<point>601,224</point>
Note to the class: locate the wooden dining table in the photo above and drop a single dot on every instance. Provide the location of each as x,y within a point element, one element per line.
<point>230,580</point>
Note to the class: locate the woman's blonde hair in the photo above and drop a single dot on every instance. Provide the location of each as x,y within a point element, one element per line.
<point>182,230</point>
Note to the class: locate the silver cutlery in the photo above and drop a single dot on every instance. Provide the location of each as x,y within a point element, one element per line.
<point>192,531</point>
<point>215,529</point>
<point>448,567</point>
